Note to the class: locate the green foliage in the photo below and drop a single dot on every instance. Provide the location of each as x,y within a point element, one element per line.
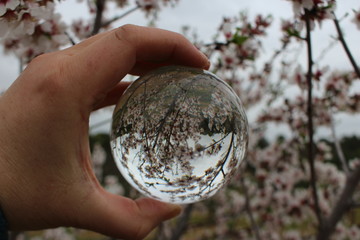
<point>239,39</point>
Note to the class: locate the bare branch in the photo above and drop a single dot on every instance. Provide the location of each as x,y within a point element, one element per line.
<point>345,46</point>
<point>70,38</point>
<point>116,18</point>
<point>338,148</point>
<point>343,204</point>
<point>310,120</point>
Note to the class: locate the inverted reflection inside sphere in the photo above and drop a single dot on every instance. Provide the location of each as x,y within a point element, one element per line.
<point>179,134</point>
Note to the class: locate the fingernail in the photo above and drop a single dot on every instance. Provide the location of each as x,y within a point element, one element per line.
<point>207,64</point>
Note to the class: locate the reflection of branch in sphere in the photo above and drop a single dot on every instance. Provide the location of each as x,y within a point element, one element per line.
<point>178,134</point>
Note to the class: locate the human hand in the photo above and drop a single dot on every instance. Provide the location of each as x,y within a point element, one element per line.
<point>46,177</point>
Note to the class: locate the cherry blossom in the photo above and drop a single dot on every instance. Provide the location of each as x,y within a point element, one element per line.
<point>227,28</point>
<point>6,5</point>
<point>315,10</point>
<point>32,29</point>
<point>81,29</point>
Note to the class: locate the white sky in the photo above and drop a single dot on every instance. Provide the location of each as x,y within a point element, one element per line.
<point>205,16</point>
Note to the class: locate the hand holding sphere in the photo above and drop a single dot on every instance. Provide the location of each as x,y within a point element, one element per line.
<point>46,176</point>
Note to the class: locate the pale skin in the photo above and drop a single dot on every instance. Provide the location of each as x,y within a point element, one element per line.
<point>46,179</point>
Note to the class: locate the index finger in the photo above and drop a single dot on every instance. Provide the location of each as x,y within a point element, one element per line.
<point>104,62</point>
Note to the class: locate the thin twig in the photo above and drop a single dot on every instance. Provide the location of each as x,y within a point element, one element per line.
<point>116,18</point>
<point>325,51</point>
<point>70,38</point>
<point>310,121</point>
<point>345,46</point>
<point>338,148</point>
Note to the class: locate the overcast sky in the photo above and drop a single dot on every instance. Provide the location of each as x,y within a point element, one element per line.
<point>206,15</point>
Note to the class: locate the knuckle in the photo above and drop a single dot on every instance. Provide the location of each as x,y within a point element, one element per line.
<point>49,70</point>
<point>40,59</point>
<point>125,32</point>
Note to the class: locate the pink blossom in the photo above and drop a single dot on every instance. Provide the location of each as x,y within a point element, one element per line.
<point>81,29</point>
<point>226,28</point>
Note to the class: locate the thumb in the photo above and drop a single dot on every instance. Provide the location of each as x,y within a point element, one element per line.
<point>125,218</point>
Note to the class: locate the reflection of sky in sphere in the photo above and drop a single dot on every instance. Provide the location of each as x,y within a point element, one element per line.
<point>156,186</point>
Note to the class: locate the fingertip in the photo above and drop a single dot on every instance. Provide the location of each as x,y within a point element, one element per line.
<point>164,210</point>
<point>174,210</point>
<point>206,64</point>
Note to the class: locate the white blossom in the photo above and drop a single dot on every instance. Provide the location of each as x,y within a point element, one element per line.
<point>8,5</point>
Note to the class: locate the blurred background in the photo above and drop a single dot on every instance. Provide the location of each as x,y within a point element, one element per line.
<point>261,49</point>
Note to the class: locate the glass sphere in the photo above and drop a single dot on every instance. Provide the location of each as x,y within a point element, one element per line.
<point>179,134</point>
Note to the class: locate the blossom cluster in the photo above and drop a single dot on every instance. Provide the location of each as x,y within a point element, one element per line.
<point>30,28</point>
<point>316,9</point>
<point>271,196</point>
<point>238,46</point>
<point>241,35</point>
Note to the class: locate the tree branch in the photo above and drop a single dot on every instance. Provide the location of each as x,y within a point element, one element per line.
<point>345,46</point>
<point>343,204</point>
<point>100,6</point>
<point>70,38</point>
<point>310,120</point>
<point>338,148</point>
<point>107,23</point>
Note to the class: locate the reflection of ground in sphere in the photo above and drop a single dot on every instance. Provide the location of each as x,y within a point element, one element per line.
<point>178,134</point>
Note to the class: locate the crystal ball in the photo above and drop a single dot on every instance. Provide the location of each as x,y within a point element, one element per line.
<point>179,134</point>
